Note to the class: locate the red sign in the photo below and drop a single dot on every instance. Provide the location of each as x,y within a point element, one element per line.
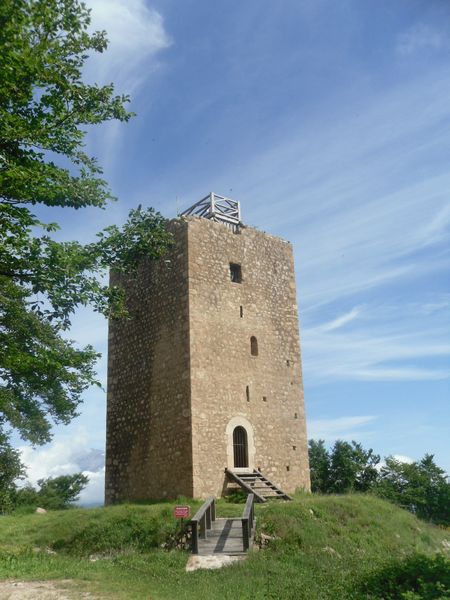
<point>181,512</point>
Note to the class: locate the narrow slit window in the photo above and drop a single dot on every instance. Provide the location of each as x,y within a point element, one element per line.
<point>242,311</point>
<point>247,393</point>
<point>235,273</point>
<point>253,346</point>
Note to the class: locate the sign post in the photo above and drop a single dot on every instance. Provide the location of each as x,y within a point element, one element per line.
<point>182,512</point>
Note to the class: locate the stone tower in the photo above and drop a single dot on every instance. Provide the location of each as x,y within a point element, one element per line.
<point>207,374</point>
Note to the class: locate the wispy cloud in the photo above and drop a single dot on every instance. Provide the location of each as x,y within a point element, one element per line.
<point>362,197</point>
<point>418,38</point>
<point>343,428</point>
<point>341,321</point>
<point>136,35</point>
<point>386,343</point>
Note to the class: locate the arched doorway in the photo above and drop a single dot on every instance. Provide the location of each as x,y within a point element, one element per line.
<point>240,448</point>
<point>232,433</point>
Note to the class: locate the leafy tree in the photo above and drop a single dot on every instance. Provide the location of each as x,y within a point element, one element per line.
<point>319,465</point>
<point>421,487</point>
<point>345,468</point>
<point>54,493</point>
<point>352,468</point>
<point>45,111</point>
<point>24,497</point>
<point>61,492</point>
<point>10,470</point>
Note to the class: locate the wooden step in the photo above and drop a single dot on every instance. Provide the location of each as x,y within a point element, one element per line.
<point>259,485</point>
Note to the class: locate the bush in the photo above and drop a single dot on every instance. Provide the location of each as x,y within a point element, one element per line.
<point>418,577</point>
<point>54,493</point>
<point>237,497</point>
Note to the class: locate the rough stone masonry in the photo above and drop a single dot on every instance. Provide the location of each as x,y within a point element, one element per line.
<point>212,346</point>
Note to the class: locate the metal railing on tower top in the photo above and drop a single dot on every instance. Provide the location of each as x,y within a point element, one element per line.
<point>216,208</point>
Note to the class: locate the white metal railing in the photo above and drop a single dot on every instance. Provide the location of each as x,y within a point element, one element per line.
<point>217,208</point>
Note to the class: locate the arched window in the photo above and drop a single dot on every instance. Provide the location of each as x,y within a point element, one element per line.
<point>240,447</point>
<point>253,346</point>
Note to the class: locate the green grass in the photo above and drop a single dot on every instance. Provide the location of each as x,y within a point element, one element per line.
<point>324,547</point>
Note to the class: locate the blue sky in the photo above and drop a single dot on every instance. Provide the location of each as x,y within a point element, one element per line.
<point>330,122</point>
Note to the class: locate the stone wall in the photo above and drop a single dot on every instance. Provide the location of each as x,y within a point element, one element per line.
<point>223,318</point>
<point>148,446</point>
<point>178,372</point>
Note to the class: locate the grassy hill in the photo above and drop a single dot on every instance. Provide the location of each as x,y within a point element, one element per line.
<point>320,547</point>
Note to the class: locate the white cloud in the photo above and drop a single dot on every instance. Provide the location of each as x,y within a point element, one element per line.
<point>65,456</point>
<point>399,458</point>
<point>386,343</point>
<point>418,38</point>
<point>402,458</point>
<point>341,321</point>
<point>94,492</point>
<point>343,428</point>
<point>136,35</point>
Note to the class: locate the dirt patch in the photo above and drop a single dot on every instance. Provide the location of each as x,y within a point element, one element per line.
<point>42,590</point>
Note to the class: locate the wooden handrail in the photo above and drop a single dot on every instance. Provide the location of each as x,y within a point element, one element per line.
<point>202,521</point>
<point>248,517</point>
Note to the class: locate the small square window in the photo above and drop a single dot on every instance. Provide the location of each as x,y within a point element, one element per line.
<point>235,273</point>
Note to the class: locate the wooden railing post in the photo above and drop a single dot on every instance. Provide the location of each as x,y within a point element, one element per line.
<point>247,521</point>
<point>203,527</point>
<point>245,534</point>
<point>194,525</point>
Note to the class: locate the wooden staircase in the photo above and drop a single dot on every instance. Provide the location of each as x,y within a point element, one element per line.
<point>254,482</point>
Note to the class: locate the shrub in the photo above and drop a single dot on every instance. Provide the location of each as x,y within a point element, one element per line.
<point>237,497</point>
<point>54,493</point>
<point>417,577</point>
